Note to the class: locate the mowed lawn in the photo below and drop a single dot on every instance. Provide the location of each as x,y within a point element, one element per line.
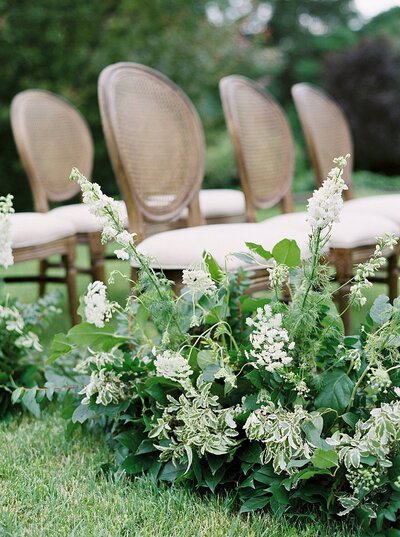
<point>51,486</point>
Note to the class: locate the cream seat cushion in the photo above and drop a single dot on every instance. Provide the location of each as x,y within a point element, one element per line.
<point>218,202</point>
<point>182,248</point>
<point>33,229</point>
<point>387,205</point>
<point>355,228</point>
<point>83,221</point>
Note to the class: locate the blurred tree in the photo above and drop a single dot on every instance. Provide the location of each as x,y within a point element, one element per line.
<point>62,45</point>
<point>366,82</point>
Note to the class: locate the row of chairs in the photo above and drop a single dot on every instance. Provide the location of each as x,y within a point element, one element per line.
<point>156,145</point>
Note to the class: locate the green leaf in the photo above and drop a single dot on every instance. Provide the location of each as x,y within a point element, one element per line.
<point>250,304</point>
<point>206,358</point>
<point>171,473</point>
<point>60,346</point>
<point>336,391</point>
<point>88,335</point>
<point>30,403</point>
<point>214,269</point>
<point>210,371</point>
<point>286,252</point>
<point>324,459</point>
<point>16,394</point>
<point>251,454</point>
<point>259,250</point>
<point>381,310</point>
<point>252,504</point>
<point>82,413</point>
<point>350,418</point>
<point>213,479</point>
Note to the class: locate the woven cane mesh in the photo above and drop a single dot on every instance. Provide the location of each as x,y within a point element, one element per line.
<point>158,139</point>
<point>262,140</point>
<point>325,128</point>
<point>51,137</point>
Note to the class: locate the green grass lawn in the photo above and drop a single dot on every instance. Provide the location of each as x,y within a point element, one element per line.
<point>50,486</point>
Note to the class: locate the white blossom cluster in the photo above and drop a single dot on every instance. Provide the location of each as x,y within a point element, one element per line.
<point>98,360</point>
<point>326,203</point>
<point>269,340</point>
<point>172,365</point>
<point>14,322</point>
<point>379,379</point>
<point>198,281</point>
<point>98,309</point>
<point>108,386</point>
<point>109,214</point>
<point>282,436</point>
<point>368,269</point>
<point>6,208</point>
<point>278,275</point>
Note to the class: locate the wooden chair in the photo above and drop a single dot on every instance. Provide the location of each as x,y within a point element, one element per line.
<point>264,151</point>
<point>156,145</point>
<point>51,137</point>
<point>37,236</point>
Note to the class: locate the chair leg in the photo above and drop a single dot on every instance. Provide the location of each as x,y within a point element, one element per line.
<point>97,255</point>
<point>68,261</point>
<point>343,261</point>
<point>393,275</point>
<point>43,265</point>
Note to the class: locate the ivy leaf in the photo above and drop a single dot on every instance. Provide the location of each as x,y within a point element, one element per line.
<point>336,391</point>
<point>259,250</point>
<point>381,310</point>
<point>286,252</point>
<point>324,459</point>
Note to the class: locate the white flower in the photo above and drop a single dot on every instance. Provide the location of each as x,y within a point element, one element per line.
<point>269,340</point>
<point>172,365</point>
<point>198,281</point>
<point>397,391</point>
<point>107,211</point>
<point>98,309</point>
<point>13,319</point>
<point>278,275</point>
<point>29,341</point>
<point>6,208</point>
<point>99,360</point>
<point>326,203</point>
<point>122,254</point>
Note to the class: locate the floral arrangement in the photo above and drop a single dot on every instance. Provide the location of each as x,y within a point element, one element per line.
<point>20,328</point>
<point>264,395</point>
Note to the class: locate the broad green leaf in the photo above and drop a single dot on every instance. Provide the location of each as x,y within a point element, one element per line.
<point>30,403</point>
<point>251,454</point>
<point>205,358</point>
<point>88,335</point>
<point>210,371</point>
<point>171,473</point>
<point>336,391</point>
<point>214,269</point>
<point>252,504</point>
<point>259,250</point>
<point>16,394</point>
<point>60,346</point>
<point>381,310</point>
<point>324,459</point>
<point>286,252</point>
<point>250,304</point>
<point>82,413</point>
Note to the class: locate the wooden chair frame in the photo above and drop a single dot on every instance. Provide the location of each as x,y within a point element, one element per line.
<point>66,249</point>
<point>343,259</point>
<point>138,214</point>
<point>42,195</point>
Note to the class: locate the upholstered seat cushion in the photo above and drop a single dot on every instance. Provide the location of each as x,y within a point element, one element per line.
<point>182,248</point>
<point>218,202</point>
<point>387,205</point>
<point>355,228</point>
<point>83,221</point>
<point>32,229</point>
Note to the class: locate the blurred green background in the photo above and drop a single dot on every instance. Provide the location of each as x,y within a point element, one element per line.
<point>62,45</point>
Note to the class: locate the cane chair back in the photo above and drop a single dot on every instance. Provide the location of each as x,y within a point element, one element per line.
<point>155,141</point>
<point>262,141</point>
<point>326,131</point>
<point>51,137</point>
